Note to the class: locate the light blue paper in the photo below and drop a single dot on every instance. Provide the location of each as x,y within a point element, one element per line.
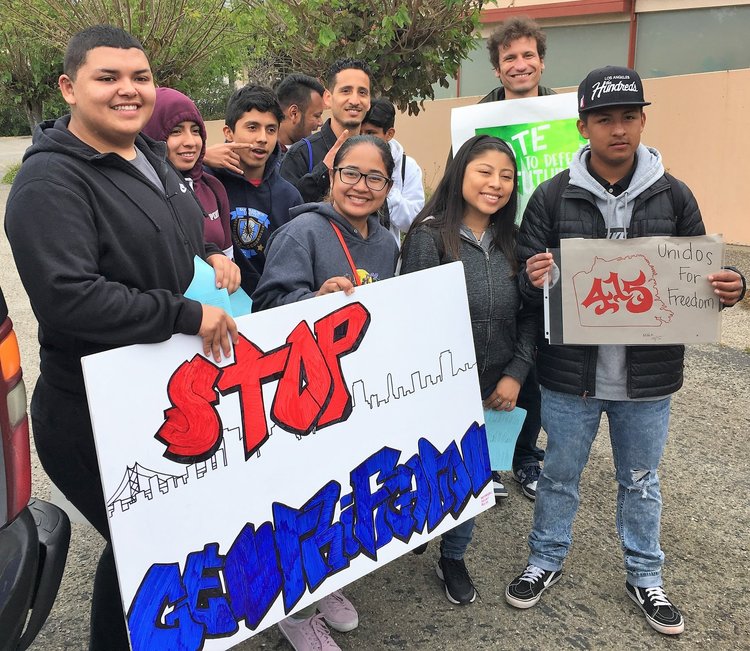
<point>503,428</point>
<point>240,303</point>
<point>203,287</point>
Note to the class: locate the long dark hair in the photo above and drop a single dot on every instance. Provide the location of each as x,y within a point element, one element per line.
<point>445,209</point>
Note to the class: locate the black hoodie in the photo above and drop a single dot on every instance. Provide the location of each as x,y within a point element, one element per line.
<point>104,255</point>
<point>255,212</point>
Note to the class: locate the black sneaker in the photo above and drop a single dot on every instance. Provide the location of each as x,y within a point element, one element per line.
<point>528,476</point>
<point>525,590</point>
<point>497,485</point>
<point>660,612</point>
<point>420,549</point>
<point>459,587</point>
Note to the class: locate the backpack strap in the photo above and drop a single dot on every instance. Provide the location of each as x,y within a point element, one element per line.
<point>403,170</point>
<point>557,186</point>
<point>676,195</point>
<point>309,155</point>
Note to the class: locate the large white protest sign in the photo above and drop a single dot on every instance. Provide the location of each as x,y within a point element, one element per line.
<point>541,130</point>
<point>646,290</point>
<point>344,432</point>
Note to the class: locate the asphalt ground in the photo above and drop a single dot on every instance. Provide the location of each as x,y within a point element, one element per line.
<point>705,476</point>
<point>11,151</point>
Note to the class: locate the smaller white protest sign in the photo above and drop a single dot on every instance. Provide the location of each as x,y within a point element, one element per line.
<point>345,431</point>
<point>646,290</point>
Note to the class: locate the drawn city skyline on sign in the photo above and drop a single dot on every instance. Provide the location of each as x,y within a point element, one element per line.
<point>139,481</point>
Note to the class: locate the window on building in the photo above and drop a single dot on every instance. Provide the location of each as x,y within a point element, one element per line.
<point>445,93</point>
<point>573,51</point>
<point>693,40</point>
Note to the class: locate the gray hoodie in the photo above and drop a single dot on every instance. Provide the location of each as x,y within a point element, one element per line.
<point>305,252</point>
<point>611,373</point>
<point>617,210</point>
<point>503,333</point>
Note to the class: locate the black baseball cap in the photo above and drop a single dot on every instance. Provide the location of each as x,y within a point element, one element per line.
<point>610,86</point>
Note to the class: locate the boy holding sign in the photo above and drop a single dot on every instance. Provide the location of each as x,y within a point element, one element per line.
<point>121,231</point>
<point>615,188</point>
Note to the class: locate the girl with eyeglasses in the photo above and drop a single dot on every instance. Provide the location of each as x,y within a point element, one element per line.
<point>329,247</point>
<point>337,244</point>
<point>471,217</point>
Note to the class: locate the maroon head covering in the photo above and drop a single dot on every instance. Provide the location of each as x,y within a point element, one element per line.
<point>171,108</point>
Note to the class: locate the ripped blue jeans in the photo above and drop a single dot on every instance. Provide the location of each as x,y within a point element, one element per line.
<point>638,432</point>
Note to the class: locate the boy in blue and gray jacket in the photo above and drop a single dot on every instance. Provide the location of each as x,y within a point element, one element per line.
<point>259,198</point>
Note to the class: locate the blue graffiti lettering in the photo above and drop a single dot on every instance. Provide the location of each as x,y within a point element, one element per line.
<point>303,547</point>
<point>252,573</point>
<point>208,605</point>
<point>159,617</point>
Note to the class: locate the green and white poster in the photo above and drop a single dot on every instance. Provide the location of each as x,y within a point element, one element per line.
<point>541,130</point>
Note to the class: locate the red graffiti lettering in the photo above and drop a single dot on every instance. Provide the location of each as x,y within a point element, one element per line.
<point>192,428</point>
<point>311,391</point>
<point>305,386</point>
<point>633,293</point>
<point>252,368</point>
<point>640,299</point>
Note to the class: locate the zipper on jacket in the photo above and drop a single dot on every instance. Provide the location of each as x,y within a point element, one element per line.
<point>628,376</point>
<point>164,169</point>
<point>477,245</point>
<point>176,218</point>
<point>589,360</point>
<point>490,309</point>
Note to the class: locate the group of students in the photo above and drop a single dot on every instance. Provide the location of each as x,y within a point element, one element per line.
<point>348,233</point>
<point>241,183</point>
<point>123,216</point>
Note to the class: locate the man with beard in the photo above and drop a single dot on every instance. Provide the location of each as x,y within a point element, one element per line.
<point>307,162</point>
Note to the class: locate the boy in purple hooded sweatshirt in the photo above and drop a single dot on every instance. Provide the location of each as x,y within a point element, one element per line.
<point>177,121</point>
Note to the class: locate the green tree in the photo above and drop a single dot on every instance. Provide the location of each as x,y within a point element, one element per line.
<point>190,43</point>
<point>28,77</point>
<point>410,44</point>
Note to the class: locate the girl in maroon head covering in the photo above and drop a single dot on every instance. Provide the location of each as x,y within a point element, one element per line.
<point>177,121</point>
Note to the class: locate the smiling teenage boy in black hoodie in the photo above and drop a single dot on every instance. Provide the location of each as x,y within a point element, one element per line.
<point>103,232</point>
<point>259,199</point>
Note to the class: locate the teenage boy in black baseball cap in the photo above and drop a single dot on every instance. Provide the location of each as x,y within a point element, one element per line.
<point>615,188</point>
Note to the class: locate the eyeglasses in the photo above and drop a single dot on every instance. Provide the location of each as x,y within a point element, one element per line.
<point>351,176</point>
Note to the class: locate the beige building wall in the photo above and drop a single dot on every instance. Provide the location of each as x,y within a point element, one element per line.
<point>698,123</point>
